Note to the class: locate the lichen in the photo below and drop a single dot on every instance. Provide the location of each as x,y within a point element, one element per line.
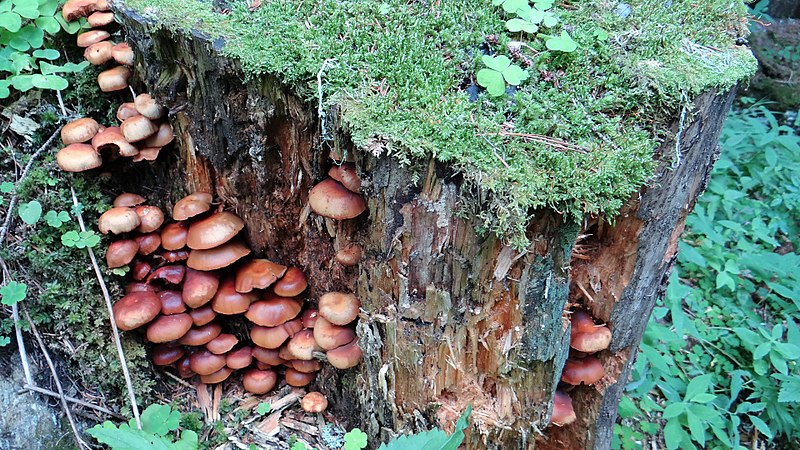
<point>401,74</point>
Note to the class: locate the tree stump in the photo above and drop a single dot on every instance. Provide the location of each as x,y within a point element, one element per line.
<point>451,317</point>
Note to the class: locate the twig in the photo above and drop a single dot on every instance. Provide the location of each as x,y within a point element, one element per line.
<point>107,297</point>
<point>13,202</point>
<point>61,395</point>
<point>23,354</point>
<point>558,144</point>
<point>323,123</point>
<point>61,104</point>
<point>77,401</point>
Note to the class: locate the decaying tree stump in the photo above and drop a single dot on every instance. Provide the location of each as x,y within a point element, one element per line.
<point>452,317</point>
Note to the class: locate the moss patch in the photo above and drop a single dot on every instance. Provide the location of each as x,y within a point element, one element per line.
<point>403,72</point>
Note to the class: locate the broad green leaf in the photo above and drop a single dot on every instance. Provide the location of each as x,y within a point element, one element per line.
<point>47,53</point>
<point>28,9</point>
<point>30,212</point>
<point>696,428</point>
<point>263,408</point>
<point>514,75</point>
<point>698,385</point>
<point>54,82</point>
<point>48,7</point>
<point>498,63</point>
<point>762,426</point>
<point>48,24</point>
<point>6,187</point>
<point>673,434</point>
<point>22,82</point>
<point>674,410</point>
<point>493,81</point>
<point>189,441</point>
<point>126,438</point>
<point>13,292</point>
<point>517,25</point>
<point>4,90</point>
<point>703,398</point>
<point>355,439</point>
<point>11,21</point>
<point>562,43</point>
<point>160,419</point>
<point>790,390</point>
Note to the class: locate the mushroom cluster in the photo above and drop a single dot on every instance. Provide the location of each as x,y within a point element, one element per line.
<point>211,310</point>
<point>142,131</point>
<point>582,366</point>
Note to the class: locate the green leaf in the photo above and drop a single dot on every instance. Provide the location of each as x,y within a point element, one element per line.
<point>514,75</point>
<point>160,419</point>
<point>47,53</point>
<point>435,439</point>
<point>4,90</point>
<point>11,21</point>
<point>4,340</point>
<point>498,63</point>
<point>56,219</point>
<point>70,238</point>
<point>696,428</point>
<point>6,187</point>
<point>762,426</point>
<point>13,293</point>
<point>674,410</point>
<point>54,82</point>
<point>698,385</point>
<point>493,81</point>
<point>48,24</point>
<point>28,9</point>
<point>263,408</point>
<point>703,398</point>
<point>30,212</point>
<point>22,82</point>
<point>790,390</point>
<point>516,25</point>
<point>562,43</point>
<point>673,434</point>
<point>189,441</point>
<point>126,438</point>
<point>355,439</point>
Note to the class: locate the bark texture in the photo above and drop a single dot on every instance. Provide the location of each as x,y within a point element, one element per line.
<point>451,317</point>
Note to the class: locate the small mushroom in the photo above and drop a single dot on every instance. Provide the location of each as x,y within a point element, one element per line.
<point>191,205</point>
<point>172,274</point>
<point>140,271</point>
<point>163,136</point>
<point>168,328</point>
<point>330,336</point>
<point>309,366</point>
<point>201,335</point>
<point>346,356</point>
<point>115,79</point>
<point>80,130</point>
<point>339,308</point>
<point>291,284</point>
<point>75,9</point>
<point>136,309</point>
<point>213,231</point>
<point>258,274</point>
<point>148,243</point>
<point>111,139</point>
<point>100,19</point>
<point>151,218</point>
<point>138,128</point>
<point>216,377</point>
<point>205,363</point>
<point>268,356</point>
<point>128,199</point>
<point>92,37</point>
<point>309,318</point>
<point>218,257</point>
<point>121,253</point>
<point>123,54</point>
<point>202,316</point>
<point>239,358</point>
<point>331,199</point>
<point>171,302</point>
<point>298,379</point>
<point>588,370</point>
<point>78,158</point>
<point>147,106</point>
<point>118,220</point>
<point>587,337</point>
<point>273,337</point>
<point>349,256</point>
<point>563,412</point>
<point>227,301</point>
<point>259,381</point>
<point>147,154</point>
<point>273,311</point>
<point>176,255</point>
<point>199,287</point>
<point>164,355</point>
<point>222,344</point>
<point>173,236</point>
<point>126,111</point>
<point>302,345</point>
<point>98,53</point>
<point>314,402</point>
<point>347,175</point>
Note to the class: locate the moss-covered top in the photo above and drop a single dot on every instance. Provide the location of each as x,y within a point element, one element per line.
<point>578,136</point>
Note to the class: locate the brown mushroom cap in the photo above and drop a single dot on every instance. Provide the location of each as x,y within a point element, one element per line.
<point>292,283</point>
<point>216,377</point>
<point>172,274</point>
<point>111,139</point>
<point>330,199</point>
<point>78,158</point>
<point>100,19</point>
<point>121,252</point>
<point>273,337</point>
<point>205,363</point>
<point>168,328</point>
<point>139,287</point>
<point>136,309</point>
<point>191,205</point>
<point>349,256</point>
<point>184,369</point>
<point>588,370</point>
<point>102,5</point>
<point>92,37</point>
<point>115,79</point>
<point>148,243</point>
<point>239,358</point>
<point>164,355</point>
<point>148,107</point>
<point>314,402</point>
<point>80,130</point>
<point>98,53</point>
<point>126,111</point>
<point>222,344</point>
<point>138,128</point>
<point>346,356</point>
<point>258,274</point>
<point>123,54</point>
<point>339,308</point>
<point>178,255</point>
<point>147,154</point>
<point>259,381</point>
<point>330,336</point>
<point>171,302</point>
<point>199,287</point>
<point>163,136</point>
<point>586,336</point>
<point>273,311</point>
<point>309,318</point>
<point>118,220</point>
<point>201,335</point>
<point>298,379</point>
<point>202,316</point>
<point>151,218</point>
<point>173,235</point>
<point>75,9</point>
<point>268,356</point>
<point>213,231</point>
<point>563,412</point>
<point>127,199</point>
<point>140,271</point>
<point>228,301</point>
<point>347,175</point>
<point>218,257</point>
<point>302,345</point>
<point>309,366</point>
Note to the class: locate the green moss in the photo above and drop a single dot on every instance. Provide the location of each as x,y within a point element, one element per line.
<point>400,68</point>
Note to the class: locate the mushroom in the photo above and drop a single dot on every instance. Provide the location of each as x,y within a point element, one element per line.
<point>163,136</point>
<point>147,106</point>
<point>259,381</point>
<point>258,274</point>
<point>216,377</point>
<point>202,316</point>
<point>201,335</point>
<point>136,309</point>
<point>80,130</point>
<point>148,243</point>
<point>171,302</point>
<point>587,337</point>
<point>205,363</point>
<point>140,271</point>
<point>128,199</point>
<point>78,158</point>
<point>563,413</point>
<point>346,356</point>
<point>191,205</point>
<point>311,365</point>
<point>291,284</point>
<point>138,128</point>
<point>239,358</point>
<point>164,355</point>
<point>222,344</point>
<point>314,402</point>
<point>177,255</point>
<point>349,256</point>
<point>302,345</point>
<point>199,287</point>
<point>298,379</point>
<point>139,287</point>
<point>173,236</point>
<point>273,311</point>
<point>123,54</point>
<point>151,218</point>
<point>111,139</point>
<point>273,337</point>
<point>102,5</point>
<point>338,307</point>
<point>588,370</point>
<point>346,174</point>
<point>184,369</point>
<point>92,37</point>
<point>213,231</point>
<point>126,111</point>
<point>228,301</point>
<point>115,79</point>
<point>121,252</point>
<point>330,199</point>
<point>118,220</point>
<point>100,19</point>
<point>267,356</point>
<point>309,318</point>
<point>75,9</point>
<point>168,328</point>
<point>218,257</point>
<point>172,274</point>
<point>147,154</point>
<point>330,336</point>
<point>98,53</point>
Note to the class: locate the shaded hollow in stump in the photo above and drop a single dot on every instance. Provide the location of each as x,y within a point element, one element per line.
<point>450,317</point>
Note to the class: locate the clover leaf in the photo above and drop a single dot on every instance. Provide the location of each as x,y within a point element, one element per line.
<point>30,212</point>
<point>517,24</point>
<point>355,439</point>
<point>56,219</point>
<point>13,293</point>
<point>263,408</point>
<point>6,187</point>
<point>498,72</point>
<point>562,43</point>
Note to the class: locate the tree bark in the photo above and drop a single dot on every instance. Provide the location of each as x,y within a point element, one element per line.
<point>451,317</point>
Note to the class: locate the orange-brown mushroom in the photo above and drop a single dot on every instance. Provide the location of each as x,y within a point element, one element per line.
<point>148,243</point>
<point>587,337</point>
<point>75,9</point>
<point>222,344</point>
<point>150,217</point>
<point>123,54</point>
<point>168,328</point>
<point>191,205</point>
<point>302,345</point>
<point>112,140</point>
<point>228,301</point>
<point>173,235</point>
<point>213,231</point>
<point>314,402</point>
<point>148,106</point>
<point>349,256</point>
<point>127,199</point>
<point>563,412</point>
<point>239,358</point>
<point>92,37</point>
<point>199,287</point>
<point>298,379</point>
<point>258,274</point>
<point>346,356</point>
<point>118,220</point>
<point>259,381</point>
<point>216,377</point>
<point>115,79</point>
<point>138,128</point>
<point>268,356</point>
<point>201,335</point>
<point>164,355</point>
<point>202,316</point>
<point>347,175</point>
<point>339,308</point>
<point>163,136</point>
<point>79,130</point>
<point>121,252</point>
<point>136,309</point>
<point>100,18</point>
<point>172,274</point>
<point>217,257</point>
<point>78,158</point>
<point>330,336</point>
<point>205,363</point>
<point>171,302</point>
<point>273,311</point>
<point>291,284</point>
<point>273,337</point>
<point>126,111</point>
<point>588,370</point>
<point>98,53</point>
<point>330,199</point>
